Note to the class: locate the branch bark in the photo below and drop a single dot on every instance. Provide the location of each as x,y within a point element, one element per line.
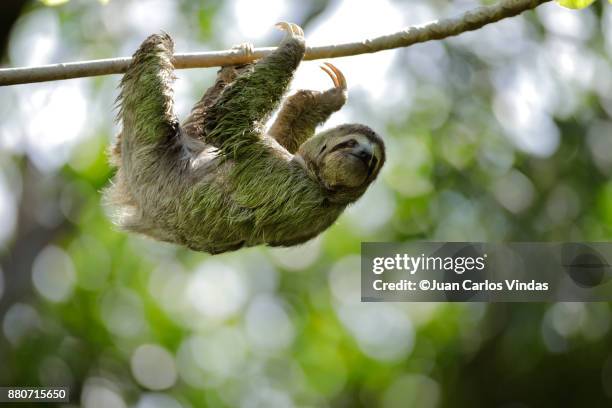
<point>471,20</point>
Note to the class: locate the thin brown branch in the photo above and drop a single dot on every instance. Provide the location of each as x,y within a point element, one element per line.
<point>436,30</point>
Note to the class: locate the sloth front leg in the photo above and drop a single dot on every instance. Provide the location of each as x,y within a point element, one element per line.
<point>305,110</point>
<point>235,121</point>
<point>146,108</point>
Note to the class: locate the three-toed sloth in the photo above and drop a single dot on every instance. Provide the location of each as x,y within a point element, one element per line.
<point>220,181</point>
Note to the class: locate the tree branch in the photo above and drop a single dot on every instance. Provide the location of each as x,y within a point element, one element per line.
<point>436,30</point>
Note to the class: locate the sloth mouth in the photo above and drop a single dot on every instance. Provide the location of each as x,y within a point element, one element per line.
<point>368,160</point>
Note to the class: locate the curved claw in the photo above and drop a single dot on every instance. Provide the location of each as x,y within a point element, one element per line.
<point>298,30</point>
<point>335,74</point>
<point>291,28</point>
<point>283,26</point>
<point>245,48</point>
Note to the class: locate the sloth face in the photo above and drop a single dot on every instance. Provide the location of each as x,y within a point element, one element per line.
<point>347,158</point>
<point>348,161</point>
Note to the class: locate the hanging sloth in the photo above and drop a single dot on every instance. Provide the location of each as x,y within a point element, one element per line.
<point>220,181</point>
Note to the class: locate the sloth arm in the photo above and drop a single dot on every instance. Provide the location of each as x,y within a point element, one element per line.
<point>146,97</point>
<point>150,125</point>
<point>302,112</point>
<point>234,123</point>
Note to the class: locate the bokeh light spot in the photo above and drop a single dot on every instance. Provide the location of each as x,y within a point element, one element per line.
<point>53,274</point>
<point>153,367</point>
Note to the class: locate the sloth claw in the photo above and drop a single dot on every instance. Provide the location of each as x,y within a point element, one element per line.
<point>335,74</point>
<point>244,48</point>
<point>291,29</point>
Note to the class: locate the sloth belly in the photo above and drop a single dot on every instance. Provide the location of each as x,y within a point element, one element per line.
<point>234,227</point>
<point>273,204</point>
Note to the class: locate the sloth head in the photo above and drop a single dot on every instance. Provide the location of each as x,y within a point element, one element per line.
<point>345,160</point>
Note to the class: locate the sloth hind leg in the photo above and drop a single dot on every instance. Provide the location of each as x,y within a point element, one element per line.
<point>193,126</point>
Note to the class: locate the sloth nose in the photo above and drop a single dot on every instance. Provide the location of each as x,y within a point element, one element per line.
<point>364,154</point>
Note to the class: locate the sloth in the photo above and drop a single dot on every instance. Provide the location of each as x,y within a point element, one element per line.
<point>220,181</point>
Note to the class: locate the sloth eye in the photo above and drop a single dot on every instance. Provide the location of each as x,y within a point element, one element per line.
<point>323,149</point>
<point>347,144</point>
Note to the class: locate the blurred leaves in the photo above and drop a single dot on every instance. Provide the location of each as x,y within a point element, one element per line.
<point>575,4</point>
<point>502,134</point>
<point>53,2</point>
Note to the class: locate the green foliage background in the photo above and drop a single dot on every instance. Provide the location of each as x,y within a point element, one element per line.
<point>124,321</point>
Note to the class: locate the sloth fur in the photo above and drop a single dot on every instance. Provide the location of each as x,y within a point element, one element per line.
<point>219,181</point>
